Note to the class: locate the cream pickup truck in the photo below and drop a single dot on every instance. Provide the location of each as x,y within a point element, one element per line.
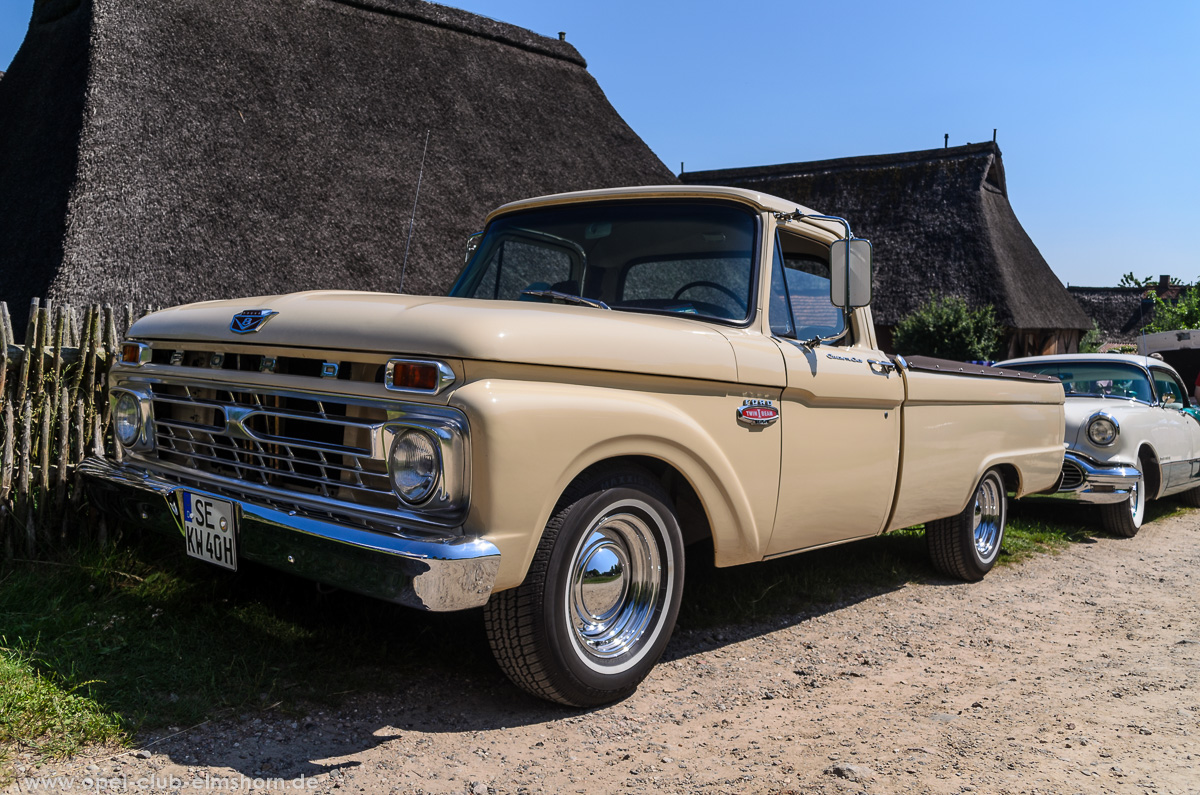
<point>614,375</point>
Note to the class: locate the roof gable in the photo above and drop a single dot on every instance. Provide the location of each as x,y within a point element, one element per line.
<point>940,222</point>
<point>219,148</point>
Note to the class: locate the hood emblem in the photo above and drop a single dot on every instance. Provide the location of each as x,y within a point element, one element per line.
<point>757,412</point>
<point>251,320</point>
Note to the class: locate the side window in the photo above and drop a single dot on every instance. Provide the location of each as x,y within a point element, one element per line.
<point>806,275</point>
<point>1169,390</point>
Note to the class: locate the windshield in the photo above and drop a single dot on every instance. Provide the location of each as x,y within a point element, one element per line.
<point>683,258</point>
<point>1094,379</point>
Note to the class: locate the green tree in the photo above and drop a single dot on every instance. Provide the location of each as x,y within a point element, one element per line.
<point>1183,312</point>
<point>947,328</point>
<point>1090,341</point>
<point>1129,280</point>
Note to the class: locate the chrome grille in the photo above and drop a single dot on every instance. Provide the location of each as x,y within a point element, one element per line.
<point>1072,476</point>
<point>305,445</point>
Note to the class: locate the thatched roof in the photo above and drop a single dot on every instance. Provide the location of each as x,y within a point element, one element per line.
<point>939,220</point>
<point>1121,313</point>
<point>169,152</point>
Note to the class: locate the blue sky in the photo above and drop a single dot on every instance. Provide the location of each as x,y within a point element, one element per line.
<point>1095,103</point>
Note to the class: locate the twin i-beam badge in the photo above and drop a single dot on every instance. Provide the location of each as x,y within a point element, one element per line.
<point>251,320</point>
<point>757,412</point>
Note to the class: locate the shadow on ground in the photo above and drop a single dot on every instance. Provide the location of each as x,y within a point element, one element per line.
<point>293,674</point>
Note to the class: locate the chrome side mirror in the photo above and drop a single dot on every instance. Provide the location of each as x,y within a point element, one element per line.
<point>850,272</point>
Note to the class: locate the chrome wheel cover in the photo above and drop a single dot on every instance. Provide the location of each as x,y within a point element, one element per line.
<point>988,520</point>
<point>617,582</point>
<point>1137,505</point>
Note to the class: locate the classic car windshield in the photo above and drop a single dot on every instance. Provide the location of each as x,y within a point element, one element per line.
<point>1094,379</point>
<point>684,258</point>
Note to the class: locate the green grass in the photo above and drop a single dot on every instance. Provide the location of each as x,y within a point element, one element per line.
<point>108,643</point>
<point>147,638</point>
<point>45,714</point>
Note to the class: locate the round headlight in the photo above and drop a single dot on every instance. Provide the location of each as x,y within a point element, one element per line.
<point>415,465</point>
<point>127,419</point>
<point>1102,431</point>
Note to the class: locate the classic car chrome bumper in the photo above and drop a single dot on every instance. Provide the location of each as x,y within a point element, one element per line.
<point>1089,481</point>
<point>452,573</point>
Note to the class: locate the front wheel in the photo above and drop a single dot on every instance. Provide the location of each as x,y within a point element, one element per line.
<point>599,602</point>
<point>966,545</point>
<point>1125,518</point>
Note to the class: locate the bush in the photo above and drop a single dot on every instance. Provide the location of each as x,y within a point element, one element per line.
<point>1090,342</point>
<point>947,328</point>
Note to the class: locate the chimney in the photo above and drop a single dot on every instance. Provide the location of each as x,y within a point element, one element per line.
<point>1164,281</point>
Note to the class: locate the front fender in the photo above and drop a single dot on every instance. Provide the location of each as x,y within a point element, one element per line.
<point>530,439</point>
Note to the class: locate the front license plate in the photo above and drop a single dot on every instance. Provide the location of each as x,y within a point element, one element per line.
<point>208,529</point>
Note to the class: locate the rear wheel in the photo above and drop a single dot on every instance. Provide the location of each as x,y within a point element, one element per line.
<point>1191,497</point>
<point>599,602</point>
<point>1125,518</point>
<point>966,545</point>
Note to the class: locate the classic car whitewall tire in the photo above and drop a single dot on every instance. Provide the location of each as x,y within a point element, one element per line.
<point>966,545</point>
<point>1191,497</point>
<point>1125,518</point>
<point>600,600</point>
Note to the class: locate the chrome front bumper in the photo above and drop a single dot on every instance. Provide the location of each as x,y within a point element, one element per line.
<point>1088,481</point>
<point>440,574</point>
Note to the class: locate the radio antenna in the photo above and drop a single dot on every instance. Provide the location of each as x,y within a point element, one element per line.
<point>413,219</point>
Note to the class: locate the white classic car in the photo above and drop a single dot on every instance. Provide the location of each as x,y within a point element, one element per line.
<point>1132,433</point>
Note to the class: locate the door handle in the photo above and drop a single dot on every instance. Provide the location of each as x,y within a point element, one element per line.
<point>882,367</point>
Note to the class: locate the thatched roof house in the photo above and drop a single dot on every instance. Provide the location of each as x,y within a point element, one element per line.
<point>1121,313</point>
<point>169,152</point>
<point>940,222</point>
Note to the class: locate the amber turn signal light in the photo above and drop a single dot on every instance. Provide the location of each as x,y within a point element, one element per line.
<point>424,376</point>
<point>415,375</point>
<point>134,353</point>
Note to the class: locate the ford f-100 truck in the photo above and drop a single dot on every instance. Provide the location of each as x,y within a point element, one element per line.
<point>614,375</point>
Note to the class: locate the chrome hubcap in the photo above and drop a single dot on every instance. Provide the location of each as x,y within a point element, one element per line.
<point>617,576</point>
<point>989,518</point>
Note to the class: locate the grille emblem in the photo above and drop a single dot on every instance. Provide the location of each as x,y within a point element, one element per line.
<point>251,320</point>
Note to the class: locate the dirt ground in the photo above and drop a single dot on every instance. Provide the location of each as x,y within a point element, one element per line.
<point>1078,672</point>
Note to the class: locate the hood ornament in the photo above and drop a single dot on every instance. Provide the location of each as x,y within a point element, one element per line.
<point>251,320</point>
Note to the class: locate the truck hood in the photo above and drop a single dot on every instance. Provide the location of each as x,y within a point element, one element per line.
<point>463,328</point>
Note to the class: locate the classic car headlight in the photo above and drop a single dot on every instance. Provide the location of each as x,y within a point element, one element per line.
<point>127,419</point>
<point>415,464</point>
<point>1102,430</point>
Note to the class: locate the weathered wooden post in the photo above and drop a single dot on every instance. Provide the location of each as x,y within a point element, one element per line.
<point>6,480</point>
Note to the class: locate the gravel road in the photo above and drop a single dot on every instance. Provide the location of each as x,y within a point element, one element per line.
<point>1077,672</point>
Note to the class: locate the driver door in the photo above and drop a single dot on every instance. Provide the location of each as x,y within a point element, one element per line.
<point>1176,434</point>
<point>840,411</point>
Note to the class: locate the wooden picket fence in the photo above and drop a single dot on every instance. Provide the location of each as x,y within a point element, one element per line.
<point>55,412</point>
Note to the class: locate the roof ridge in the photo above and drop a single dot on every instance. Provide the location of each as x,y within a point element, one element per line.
<point>846,163</point>
<point>471,24</point>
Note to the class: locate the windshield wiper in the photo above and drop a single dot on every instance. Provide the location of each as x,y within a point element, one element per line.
<point>567,297</point>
